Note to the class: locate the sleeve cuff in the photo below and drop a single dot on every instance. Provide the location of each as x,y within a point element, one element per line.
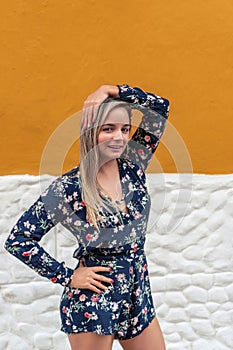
<point>64,278</point>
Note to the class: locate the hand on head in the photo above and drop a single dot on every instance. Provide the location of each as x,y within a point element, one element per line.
<point>92,103</point>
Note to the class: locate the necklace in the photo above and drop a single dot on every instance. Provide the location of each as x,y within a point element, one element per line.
<point>107,196</point>
<point>120,201</point>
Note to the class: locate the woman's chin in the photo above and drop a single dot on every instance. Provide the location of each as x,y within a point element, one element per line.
<point>110,156</point>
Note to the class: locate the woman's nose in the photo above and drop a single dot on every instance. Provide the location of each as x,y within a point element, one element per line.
<point>118,135</point>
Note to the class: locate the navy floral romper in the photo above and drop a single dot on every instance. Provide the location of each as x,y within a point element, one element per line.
<point>126,308</point>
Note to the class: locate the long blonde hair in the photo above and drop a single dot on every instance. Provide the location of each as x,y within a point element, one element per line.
<point>90,162</point>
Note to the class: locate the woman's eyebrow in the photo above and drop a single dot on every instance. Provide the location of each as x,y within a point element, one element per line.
<point>111,124</point>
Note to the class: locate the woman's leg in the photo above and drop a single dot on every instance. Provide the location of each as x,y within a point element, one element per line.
<point>150,339</point>
<point>90,341</point>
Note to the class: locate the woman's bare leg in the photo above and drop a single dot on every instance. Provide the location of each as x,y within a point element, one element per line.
<point>90,341</point>
<point>150,339</point>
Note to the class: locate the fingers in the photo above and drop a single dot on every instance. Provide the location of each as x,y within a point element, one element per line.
<point>98,286</point>
<point>93,282</point>
<point>100,278</point>
<point>89,114</point>
<point>91,105</point>
<point>95,111</point>
<point>86,116</point>
<point>96,290</point>
<point>88,277</point>
<point>101,268</point>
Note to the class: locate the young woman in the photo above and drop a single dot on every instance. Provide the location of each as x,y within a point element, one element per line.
<point>104,202</point>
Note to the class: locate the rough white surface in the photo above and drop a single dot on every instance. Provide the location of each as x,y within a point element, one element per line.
<point>189,249</point>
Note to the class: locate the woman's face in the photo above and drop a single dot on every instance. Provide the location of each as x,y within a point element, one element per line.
<point>114,134</point>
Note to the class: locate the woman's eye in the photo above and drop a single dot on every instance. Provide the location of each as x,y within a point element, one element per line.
<point>110,129</point>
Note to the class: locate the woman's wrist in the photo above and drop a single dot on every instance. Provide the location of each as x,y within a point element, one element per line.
<point>111,90</point>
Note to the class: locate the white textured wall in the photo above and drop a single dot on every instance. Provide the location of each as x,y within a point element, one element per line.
<point>190,256</point>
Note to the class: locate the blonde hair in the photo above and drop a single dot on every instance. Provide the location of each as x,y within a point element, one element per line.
<point>90,162</point>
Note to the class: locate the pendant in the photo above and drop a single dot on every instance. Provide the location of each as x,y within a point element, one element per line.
<point>120,201</point>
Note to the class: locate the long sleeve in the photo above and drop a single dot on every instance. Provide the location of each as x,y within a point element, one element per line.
<point>23,240</point>
<point>146,138</point>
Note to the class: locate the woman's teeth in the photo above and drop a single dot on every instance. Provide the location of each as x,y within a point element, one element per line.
<point>115,147</point>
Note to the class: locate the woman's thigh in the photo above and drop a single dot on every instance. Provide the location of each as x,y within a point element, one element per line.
<point>90,341</point>
<point>150,339</point>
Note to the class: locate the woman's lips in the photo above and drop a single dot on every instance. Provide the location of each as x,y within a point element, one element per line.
<point>116,146</point>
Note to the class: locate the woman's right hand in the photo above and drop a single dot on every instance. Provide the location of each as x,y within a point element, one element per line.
<point>92,103</point>
<point>88,278</point>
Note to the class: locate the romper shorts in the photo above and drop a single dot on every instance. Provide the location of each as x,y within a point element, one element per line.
<point>125,309</point>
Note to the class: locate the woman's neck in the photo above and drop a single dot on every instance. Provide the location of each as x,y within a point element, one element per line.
<point>109,168</point>
<point>108,180</point>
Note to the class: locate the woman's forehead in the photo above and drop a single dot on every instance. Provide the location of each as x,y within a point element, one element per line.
<point>117,115</point>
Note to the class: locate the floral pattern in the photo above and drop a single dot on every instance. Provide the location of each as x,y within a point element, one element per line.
<point>126,307</point>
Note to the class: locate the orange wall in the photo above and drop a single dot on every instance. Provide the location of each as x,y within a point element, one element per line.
<point>54,53</point>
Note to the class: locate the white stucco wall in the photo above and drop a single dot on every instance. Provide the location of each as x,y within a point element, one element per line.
<point>190,257</point>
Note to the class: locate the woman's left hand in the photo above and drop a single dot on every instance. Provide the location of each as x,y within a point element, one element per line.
<point>91,104</point>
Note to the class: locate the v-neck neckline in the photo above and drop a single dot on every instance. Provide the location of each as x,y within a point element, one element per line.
<point>104,192</point>
<point>123,188</point>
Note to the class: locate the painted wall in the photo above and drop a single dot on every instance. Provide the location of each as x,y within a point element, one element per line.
<point>189,252</point>
<point>55,53</point>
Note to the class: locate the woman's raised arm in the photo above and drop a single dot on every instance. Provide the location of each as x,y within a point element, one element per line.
<point>155,110</point>
<point>146,138</point>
